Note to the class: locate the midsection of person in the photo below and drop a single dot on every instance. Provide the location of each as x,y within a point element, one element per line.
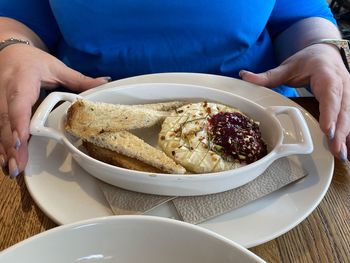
<point>127,38</point>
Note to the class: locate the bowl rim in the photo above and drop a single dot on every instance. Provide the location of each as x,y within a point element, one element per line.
<point>119,219</point>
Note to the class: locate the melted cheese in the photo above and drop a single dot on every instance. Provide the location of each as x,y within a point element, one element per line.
<point>184,137</point>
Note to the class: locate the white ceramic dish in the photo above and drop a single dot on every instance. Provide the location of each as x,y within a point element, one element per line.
<point>66,193</point>
<point>176,184</point>
<point>128,239</point>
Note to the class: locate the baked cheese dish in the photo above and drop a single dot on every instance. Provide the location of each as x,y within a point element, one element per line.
<point>210,137</point>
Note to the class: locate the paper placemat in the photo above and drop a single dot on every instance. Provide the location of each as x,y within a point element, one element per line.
<point>197,209</point>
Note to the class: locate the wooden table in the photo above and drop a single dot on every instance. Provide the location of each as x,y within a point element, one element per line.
<point>324,236</point>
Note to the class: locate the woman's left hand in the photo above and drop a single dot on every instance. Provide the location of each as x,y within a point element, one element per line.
<point>321,67</point>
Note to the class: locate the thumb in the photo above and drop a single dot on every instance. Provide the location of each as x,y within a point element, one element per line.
<point>271,78</point>
<point>77,81</point>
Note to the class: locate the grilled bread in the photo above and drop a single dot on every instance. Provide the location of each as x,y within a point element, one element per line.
<point>103,126</point>
<point>86,118</point>
<point>162,106</point>
<point>125,143</point>
<point>114,158</point>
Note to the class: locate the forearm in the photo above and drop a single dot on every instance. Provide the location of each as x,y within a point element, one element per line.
<point>302,34</point>
<point>12,28</point>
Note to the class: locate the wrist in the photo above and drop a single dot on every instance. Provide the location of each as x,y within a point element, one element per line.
<point>11,41</point>
<point>341,45</point>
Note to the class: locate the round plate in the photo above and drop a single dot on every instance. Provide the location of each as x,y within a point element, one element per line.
<point>66,193</point>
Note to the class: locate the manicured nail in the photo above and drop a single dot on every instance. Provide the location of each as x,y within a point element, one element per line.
<point>2,161</point>
<point>17,142</point>
<point>108,79</point>
<point>331,131</point>
<point>13,168</point>
<point>241,72</point>
<point>343,155</point>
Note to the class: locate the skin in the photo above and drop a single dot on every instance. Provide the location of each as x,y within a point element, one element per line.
<point>33,68</point>
<point>318,65</point>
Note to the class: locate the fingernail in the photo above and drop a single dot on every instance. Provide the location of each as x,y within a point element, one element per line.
<point>2,161</point>
<point>343,155</point>
<point>331,131</point>
<point>18,142</point>
<point>13,168</point>
<point>108,79</point>
<point>241,72</point>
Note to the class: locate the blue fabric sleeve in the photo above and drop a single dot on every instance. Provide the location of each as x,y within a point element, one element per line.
<point>35,14</point>
<point>287,12</point>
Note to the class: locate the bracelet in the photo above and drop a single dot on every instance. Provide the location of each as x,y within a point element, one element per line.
<point>11,41</point>
<point>342,45</point>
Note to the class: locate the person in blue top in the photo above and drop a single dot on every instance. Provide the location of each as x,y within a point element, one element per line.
<point>82,44</point>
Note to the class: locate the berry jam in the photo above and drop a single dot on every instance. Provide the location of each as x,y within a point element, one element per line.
<point>239,136</point>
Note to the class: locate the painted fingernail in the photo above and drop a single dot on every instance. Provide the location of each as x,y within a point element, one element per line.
<point>241,72</point>
<point>17,142</point>
<point>343,155</point>
<point>331,131</point>
<point>108,79</point>
<point>13,168</point>
<point>2,161</point>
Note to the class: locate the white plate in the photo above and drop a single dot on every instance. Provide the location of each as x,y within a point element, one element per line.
<point>128,239</point>
<point>66,193</point>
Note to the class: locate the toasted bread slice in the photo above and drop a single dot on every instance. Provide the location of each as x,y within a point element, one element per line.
<point>125,143</point>
<point>85,118</point>
<point>111,157</point>
<point>162,106</point>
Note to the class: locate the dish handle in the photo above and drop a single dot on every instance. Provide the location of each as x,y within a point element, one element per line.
<point>37,123</point>
<point>305,144</point>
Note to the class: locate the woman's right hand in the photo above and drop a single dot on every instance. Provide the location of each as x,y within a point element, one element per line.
<point>24,70</point>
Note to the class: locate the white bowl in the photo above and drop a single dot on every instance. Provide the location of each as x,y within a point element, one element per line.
<point>175,184</point>
<point>128,239</point>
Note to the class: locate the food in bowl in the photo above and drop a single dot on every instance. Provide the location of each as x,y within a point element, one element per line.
<point>199,137</point>
<point>86,118</point>
<point>209,137</point>
<point>103,127</point>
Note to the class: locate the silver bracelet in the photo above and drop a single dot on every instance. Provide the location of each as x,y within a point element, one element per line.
<point>11,41</point>
<point>342,45</point>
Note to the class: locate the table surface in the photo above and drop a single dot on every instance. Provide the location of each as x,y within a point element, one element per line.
<point>324,236</point>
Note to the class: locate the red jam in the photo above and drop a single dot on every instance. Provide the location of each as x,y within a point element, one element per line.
<point>237,136</point>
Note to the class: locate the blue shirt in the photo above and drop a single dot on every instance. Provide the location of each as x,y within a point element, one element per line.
<point>127,38</point>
